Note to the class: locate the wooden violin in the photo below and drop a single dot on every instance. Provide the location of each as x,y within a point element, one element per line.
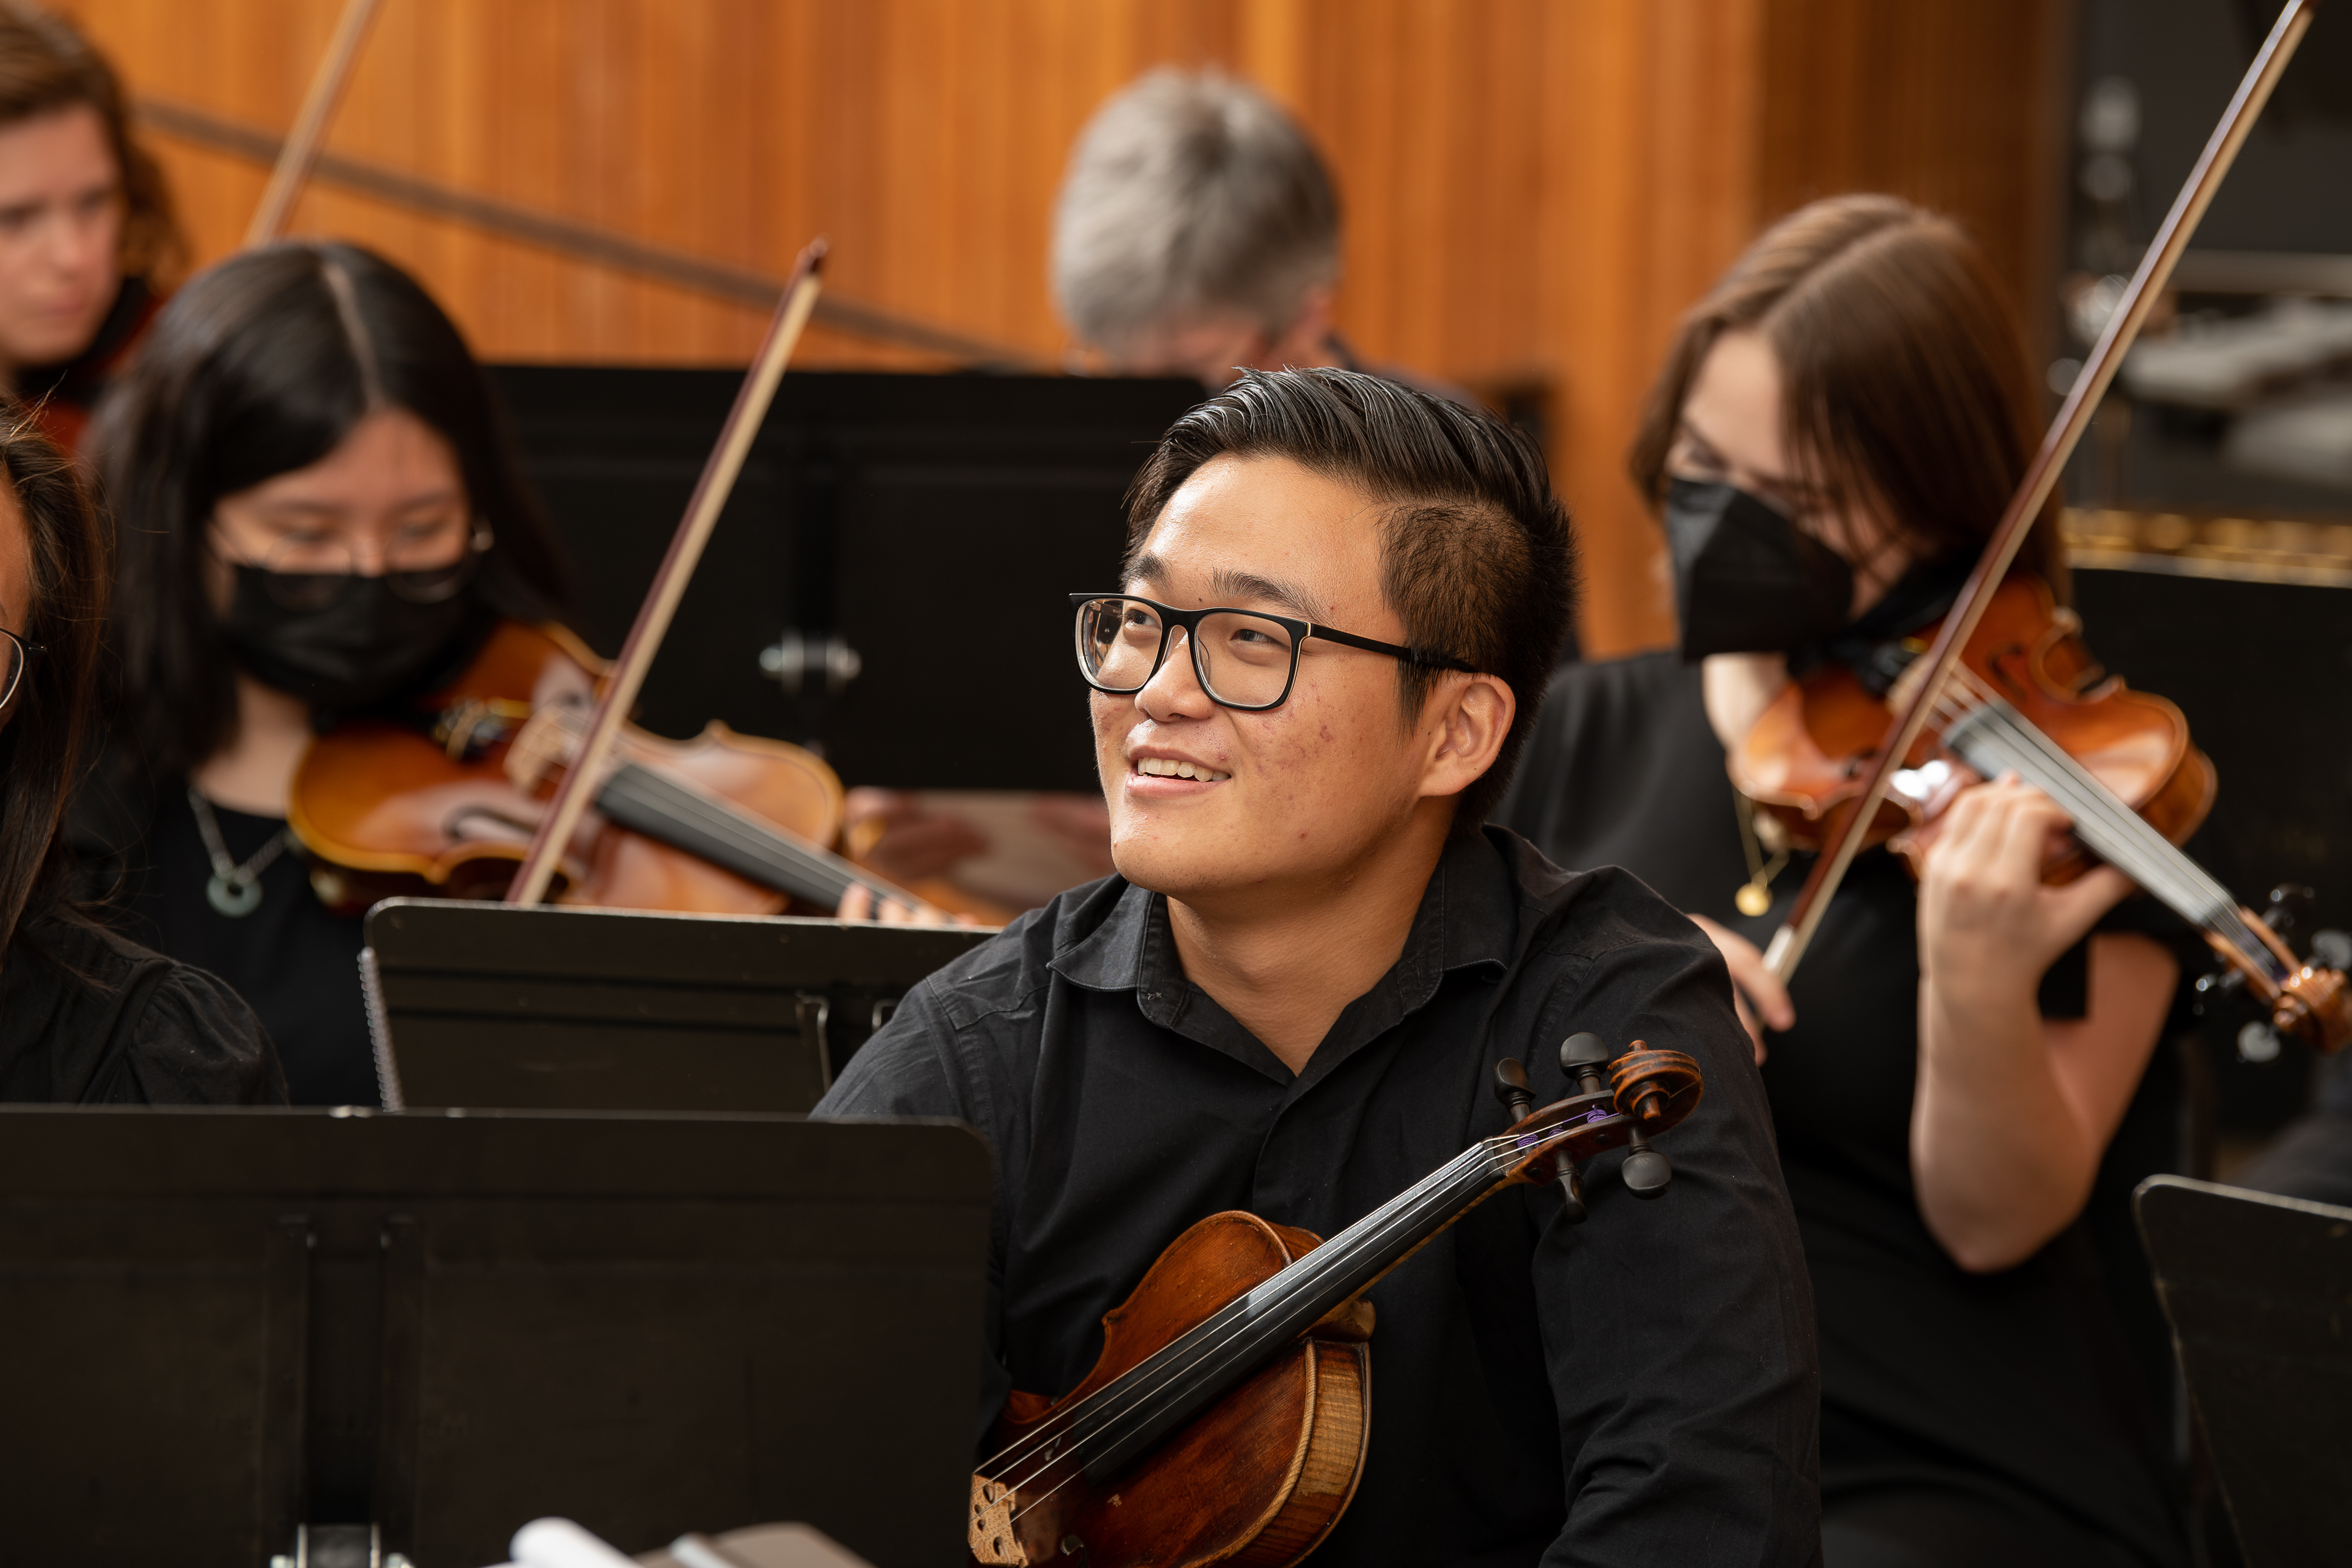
<point>1226,1419</point>
<point>2025,684</point>
<point>2004,662</point>
<point>446,804</point>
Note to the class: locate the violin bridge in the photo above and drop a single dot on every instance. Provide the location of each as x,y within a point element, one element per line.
<point>990,1530</point>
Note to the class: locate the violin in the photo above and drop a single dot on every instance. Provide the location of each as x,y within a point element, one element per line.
<point>2026,697</point>
<point>446,798</point>
<point>1227,1416</point>
<point>2002,685</point>
<point>2025,684</point>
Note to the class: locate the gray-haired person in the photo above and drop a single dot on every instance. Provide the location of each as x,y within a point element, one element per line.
<point>1198,233</point>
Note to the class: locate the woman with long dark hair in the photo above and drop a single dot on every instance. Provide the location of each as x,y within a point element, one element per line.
<point>319,513</point>
<point>1960,1076</point>
<point>85,1016</point>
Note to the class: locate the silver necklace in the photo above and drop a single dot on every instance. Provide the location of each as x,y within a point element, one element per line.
<point>235,889</point>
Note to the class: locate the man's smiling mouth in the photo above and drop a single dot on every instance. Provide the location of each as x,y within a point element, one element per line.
<point>1168,768</point>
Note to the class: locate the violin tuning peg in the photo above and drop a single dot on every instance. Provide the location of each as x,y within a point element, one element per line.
<point>1571,1191</point>
<point>1512,1088</point>
<point>1646,1173</point>
<point>1581,1057</point>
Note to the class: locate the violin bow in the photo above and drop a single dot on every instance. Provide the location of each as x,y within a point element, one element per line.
<point>300,153</point>
<point>576,788</point>
<point>1789,943</point>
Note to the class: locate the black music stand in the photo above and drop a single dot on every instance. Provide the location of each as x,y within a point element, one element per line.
<point>2259,1293</point>
<point>876,514</point>
<point>226,1325</point>
<point>602,1010</point>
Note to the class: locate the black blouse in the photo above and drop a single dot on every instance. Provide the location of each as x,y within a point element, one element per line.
<point>2040,1386</point>
<point>294,962</point>
<point>87,1018</point>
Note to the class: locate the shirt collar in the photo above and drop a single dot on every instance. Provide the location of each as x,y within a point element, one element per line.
<point>1468,918</point>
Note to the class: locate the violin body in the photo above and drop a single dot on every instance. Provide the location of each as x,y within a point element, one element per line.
<point>1258,1478</point>
<point>1807,759</point>
<point>386,807</point>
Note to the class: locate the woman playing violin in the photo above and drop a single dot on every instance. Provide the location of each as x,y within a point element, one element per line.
<point>1953,1075</point>
<point>320,514</point>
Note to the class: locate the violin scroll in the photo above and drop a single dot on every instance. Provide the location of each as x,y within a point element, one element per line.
<point>1651,1091</point>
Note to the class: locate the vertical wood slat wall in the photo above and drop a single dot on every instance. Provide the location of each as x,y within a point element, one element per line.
<point>1534,189</point>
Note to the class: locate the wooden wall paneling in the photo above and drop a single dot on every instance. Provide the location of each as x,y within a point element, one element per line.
<point>1534,188</point>
<point>1649,187</point>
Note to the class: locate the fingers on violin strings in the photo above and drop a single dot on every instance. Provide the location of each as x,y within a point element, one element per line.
<point>856,904</point>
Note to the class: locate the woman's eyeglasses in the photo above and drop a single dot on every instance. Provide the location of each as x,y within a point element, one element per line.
<point>20,652</point>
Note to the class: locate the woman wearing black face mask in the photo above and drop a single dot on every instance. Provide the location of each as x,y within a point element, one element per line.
<point>318,513</point>
<point>1960,1076</point>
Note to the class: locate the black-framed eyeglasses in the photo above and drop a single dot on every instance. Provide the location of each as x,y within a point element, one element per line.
<point>22,652</point>
<point>1244,659</point>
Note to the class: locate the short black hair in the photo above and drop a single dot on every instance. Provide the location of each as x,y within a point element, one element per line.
<point>260,366</point>
<point>1478,554</point>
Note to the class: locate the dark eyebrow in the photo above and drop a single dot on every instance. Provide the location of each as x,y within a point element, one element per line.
<point>1250,585</point>
<point>1799,491</point>
<point>1235,585</point>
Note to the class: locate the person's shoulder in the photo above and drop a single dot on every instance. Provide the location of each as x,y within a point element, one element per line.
<point>186,1035</point>
<point>1005,972</point>
<point>1587,913</point>
<point>1644,679</point>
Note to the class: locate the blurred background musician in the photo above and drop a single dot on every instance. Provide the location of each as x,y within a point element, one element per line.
<point>85,1017</point>
<point>1197,231</point>
<point>1853,402</point>
<point>318,513</point>
<point>88,238</point>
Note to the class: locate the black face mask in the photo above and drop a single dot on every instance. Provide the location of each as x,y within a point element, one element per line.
<point>368,643</point>
<point>1747,581</point>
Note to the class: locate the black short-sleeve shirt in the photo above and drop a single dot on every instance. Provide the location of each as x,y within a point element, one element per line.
<point>1640,1388</point>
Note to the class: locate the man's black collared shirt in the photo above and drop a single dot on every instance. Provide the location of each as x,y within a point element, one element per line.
<point>1640,1388</point>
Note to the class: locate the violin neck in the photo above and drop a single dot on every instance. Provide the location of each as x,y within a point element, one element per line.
<point>671,810</point>
<point>1993,738</point>
<point>647,799</point>
<point>1152,1399</point>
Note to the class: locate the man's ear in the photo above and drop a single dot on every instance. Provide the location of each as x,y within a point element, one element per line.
<point>1464,724</point>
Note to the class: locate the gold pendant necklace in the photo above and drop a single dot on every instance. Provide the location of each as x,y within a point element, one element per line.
<point>1755,896</point>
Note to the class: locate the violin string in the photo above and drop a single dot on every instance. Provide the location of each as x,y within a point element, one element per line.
<point>1428,1202</point>
<point>2135,846</point>
<point>1205,1339</point>
<point>2152,857</point>
<point>799,869</point>
<point>1215,1335</point>
<point>2128,839</point>
<point>1111,1430</point>
<point>824,877</point>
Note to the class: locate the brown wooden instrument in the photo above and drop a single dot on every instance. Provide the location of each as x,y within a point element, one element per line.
<point>1942,691</point>
<point>723,824</point>
<point>1226,1419</point>
<point>1802,762</point>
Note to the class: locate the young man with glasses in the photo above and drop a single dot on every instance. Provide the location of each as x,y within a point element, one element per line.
<point>1291,999</point>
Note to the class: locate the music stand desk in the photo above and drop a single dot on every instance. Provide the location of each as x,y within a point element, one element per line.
<point>2259,1293</point>
<point>562,1008</point>
<point>226,1324</point>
